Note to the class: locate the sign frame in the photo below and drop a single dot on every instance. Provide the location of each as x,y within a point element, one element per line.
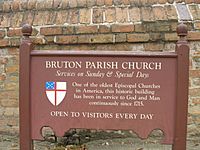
<point>182,55</point>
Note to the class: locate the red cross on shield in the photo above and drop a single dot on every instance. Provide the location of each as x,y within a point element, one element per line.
<point>56,91</point>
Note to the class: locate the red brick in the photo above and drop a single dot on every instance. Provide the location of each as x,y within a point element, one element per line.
<point>2,77</point>
<point>7,6</point>
<point>122,28</point>
<point>69,30</point>
<point>13,51</point>
<point>13,122</point>
<point>61,17</point>
<point>9,103</point>
<point>16,20</point>
<point>65,4</point>
<point>91,3</point>
<point>147,14</point>
<point>196,57</point>
<point>81,3</point>
<point>162,1</point>
<point>170,46</point>
<point>108,2</point>
<point>173,26</point>
<point>8,94</point>
<point>85,16</point>
<point>136,3</point>
<point>96,38</point>
<point>196,100</point>
<point>97,15</point>
<point>14,32</point>
<point>170,1</point>
<point>117,2</point>
<point>73,3</point>
<point>159,13</point>
<point>171,37</point>
<point>197,25</point>
<point>4,42</point>
<point>84,39</point>
<point>193,36</point>
<point>157,26</point>
<point>144,2</point>
<point>5,20</point>
<point>194,92</point>
<point>190,26</point>
<point>171,12</point>
<point>43,5</point>
<point>15,41</point>
<point>13,60</point>
<point>162,27</point>
<point>100,2</point>
<point>31,4</point>
<point>38,40</point>
<point>57,4</point>
<point>156,36</point>
<point>154,46</point>
<point>138,37</point>
<point>51,30</point>
<point>4,60</point>
<point>126,2</point>
<point>140,28</point>
<point>122,15</point>
<point>12,69</point>
<point>121,37</point>
<point>1,6</point>
<point>2,33</point>
<point>66,39</point>
<point>28,17</point>
<point>154,2</point>
<point>86,29</point>
<point>41,14</point>
<point>73,16</point>
<point>48,39</point>
<point>189,1</point>
<point>24,4</point>
<point>15,5</point>
<point>110,15</point>
<point>196,82</point>
<point>195,11</point>
<point>134,14</point>
<point>104,28</point>
<point>102,38</point>
<point>52,17</point>
<point>9,112</point>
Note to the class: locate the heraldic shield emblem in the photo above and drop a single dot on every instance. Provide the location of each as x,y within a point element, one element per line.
<point>56,92</point>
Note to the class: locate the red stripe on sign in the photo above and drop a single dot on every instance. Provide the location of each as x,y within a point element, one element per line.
<point>55,93</point>
<point>57,90</point>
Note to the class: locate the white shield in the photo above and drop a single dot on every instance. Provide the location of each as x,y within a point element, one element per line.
<point>56,92</point>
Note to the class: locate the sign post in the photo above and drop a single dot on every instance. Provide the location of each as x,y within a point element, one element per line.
<point>24,90</point>
<point>182,50</point>
<point>104,90</point>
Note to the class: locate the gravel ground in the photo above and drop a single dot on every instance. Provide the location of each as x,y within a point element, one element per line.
<point>12,143</point>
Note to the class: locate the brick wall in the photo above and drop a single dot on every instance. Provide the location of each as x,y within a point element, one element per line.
<point>131,25</point>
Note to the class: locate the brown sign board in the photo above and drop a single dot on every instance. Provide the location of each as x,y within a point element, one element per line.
<point>103,90</point>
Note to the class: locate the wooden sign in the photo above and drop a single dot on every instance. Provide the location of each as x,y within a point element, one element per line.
<point>104,90</point>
